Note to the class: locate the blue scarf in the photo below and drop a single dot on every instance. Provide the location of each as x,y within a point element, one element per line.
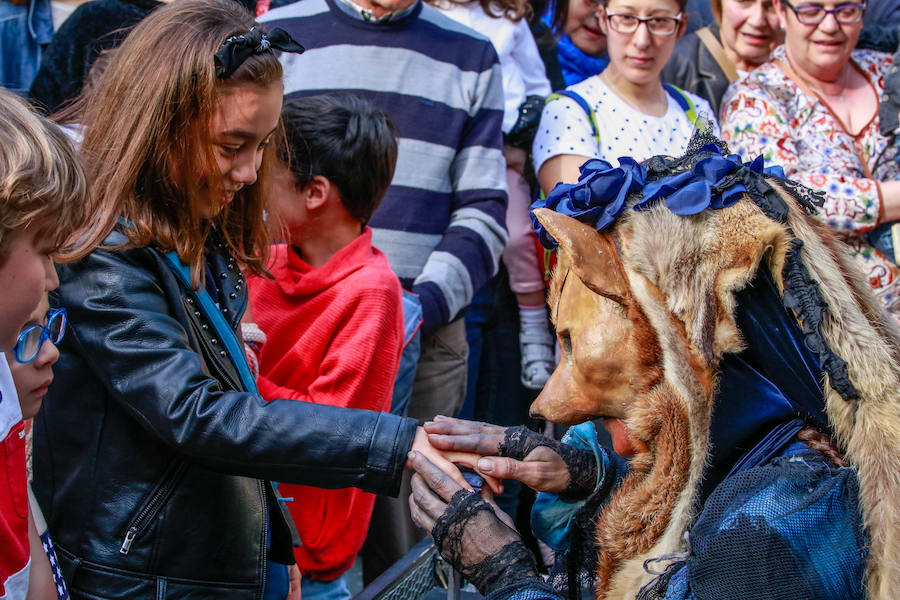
<point>774,381</point>
<point>576,65</point>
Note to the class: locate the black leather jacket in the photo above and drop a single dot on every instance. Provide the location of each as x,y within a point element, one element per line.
<point>693,69</point>
<point>148,465</point>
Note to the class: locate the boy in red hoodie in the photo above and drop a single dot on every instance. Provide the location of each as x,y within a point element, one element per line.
<point>332,315</point>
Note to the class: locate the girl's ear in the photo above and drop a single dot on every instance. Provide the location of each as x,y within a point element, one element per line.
<point>682,26</point>
<point>601,19</point>
<point>317,192</point>
<point>780,11</point>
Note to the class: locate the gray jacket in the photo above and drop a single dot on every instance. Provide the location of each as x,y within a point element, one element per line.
<point>694,69</point>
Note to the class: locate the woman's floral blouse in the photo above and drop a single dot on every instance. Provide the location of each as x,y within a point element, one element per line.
<point>768,113</point>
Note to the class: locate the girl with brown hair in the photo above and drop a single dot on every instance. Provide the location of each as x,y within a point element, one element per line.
<point>153,449</point>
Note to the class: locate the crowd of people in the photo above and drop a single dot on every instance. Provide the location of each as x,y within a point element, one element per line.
<point>260,255</point>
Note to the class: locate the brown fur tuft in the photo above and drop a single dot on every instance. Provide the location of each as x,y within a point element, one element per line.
<point>821,442</point>
<point>642,507</point>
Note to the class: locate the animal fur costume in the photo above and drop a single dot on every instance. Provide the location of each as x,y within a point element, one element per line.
<point>672,279</point>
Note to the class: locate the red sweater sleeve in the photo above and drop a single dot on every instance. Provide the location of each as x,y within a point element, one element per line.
<point>341,347</point>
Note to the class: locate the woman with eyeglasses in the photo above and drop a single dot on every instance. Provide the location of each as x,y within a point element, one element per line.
<point>814,110</point>
<point>743,37</point>
<point>625,110</point>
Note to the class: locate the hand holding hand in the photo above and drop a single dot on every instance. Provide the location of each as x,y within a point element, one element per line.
<point>539,462</point>
<point>445,460</point>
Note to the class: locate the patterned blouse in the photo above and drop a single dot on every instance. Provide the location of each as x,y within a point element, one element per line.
<point>768,113</point>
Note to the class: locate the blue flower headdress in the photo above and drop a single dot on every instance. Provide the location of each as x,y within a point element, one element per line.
<point>705,177</point>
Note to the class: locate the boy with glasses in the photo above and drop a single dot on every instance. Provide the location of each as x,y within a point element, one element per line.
<point>35,354</point>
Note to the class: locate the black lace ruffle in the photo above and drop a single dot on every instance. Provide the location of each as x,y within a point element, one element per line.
<point>471,537</point>
<point>803,297</point>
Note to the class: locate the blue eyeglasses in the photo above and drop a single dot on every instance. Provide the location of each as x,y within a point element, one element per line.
<point>30,341</point>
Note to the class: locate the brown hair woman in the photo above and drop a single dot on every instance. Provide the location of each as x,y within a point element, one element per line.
<point>153,448</point>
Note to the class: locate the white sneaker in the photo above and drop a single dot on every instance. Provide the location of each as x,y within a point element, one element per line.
<point>537,359</point>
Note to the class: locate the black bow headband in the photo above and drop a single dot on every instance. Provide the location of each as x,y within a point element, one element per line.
<point>238,48</point>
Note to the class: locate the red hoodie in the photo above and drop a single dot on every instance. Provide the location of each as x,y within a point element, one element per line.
<point>334,336</point>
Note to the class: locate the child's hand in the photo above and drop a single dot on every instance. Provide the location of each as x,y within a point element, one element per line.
<point>515,158</point>
<point>294,577</point>
<point>540,463</point>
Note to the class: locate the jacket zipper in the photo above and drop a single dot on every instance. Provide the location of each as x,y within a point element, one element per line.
<point>153,506</point>
<point>266,517</point>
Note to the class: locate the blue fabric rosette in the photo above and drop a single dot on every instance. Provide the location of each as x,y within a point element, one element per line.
<point>598,198</point>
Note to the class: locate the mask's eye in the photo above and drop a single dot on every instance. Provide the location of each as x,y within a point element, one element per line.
<point>565,342</point>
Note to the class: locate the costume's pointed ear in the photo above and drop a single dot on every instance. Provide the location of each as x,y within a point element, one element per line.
<point>592,254</point>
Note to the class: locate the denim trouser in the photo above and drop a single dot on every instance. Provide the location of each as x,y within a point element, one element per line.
<point>336,589</point>
<point>277,584</point>
<point>406,373</point>
<point>494,392</point>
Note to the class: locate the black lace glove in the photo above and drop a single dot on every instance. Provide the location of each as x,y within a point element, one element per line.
<point>581,464</point>
<point>488,553</point>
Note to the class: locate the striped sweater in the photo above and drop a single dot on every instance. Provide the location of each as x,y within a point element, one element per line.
<point>441,223</point>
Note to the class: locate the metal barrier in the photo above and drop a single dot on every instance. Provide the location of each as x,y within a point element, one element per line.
<point>420,574</point>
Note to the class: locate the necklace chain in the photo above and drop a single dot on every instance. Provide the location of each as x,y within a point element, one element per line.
<point>662,101</point>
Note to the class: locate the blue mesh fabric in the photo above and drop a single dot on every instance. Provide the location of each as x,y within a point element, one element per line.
<point>787,529</point>
<point>532,590</point>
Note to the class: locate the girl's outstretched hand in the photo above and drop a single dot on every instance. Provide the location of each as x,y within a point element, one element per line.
<point>447,461</point>
<point>539,462</point>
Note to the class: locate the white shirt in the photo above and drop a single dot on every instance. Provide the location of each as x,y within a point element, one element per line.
<point>59,12</point>
<point>623,130</point>
<point>10,411</point>
<point>520,62</point>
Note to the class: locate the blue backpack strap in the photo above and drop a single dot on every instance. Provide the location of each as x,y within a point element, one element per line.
<point>216,320</point>
<point>575,97</point>
<point>684,101</point>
